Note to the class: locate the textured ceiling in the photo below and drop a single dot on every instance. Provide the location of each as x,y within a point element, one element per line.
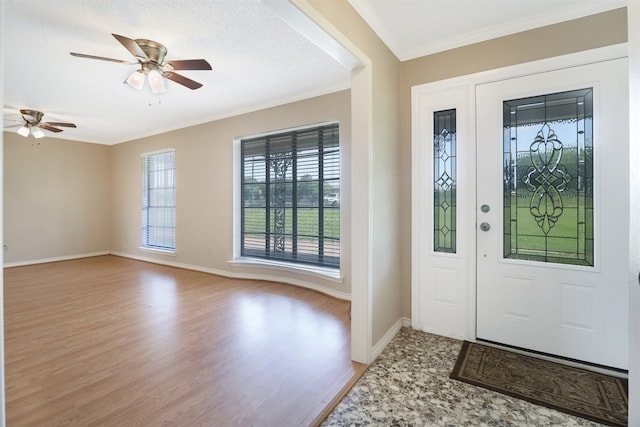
<point>258,61</point>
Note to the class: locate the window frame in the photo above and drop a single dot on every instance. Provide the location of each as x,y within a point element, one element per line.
<point>445,180</point>
<point>146,225</point>
<point>246,257</point>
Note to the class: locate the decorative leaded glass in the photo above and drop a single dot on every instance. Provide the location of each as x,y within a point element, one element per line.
<point>548,178</point>
<point>444,181</point>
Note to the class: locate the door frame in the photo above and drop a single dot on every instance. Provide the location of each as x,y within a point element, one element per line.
<point>424,262</point>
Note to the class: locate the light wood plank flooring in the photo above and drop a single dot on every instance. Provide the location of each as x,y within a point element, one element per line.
<point>108,341</point>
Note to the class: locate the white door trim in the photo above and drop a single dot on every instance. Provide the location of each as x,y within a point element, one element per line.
<point>633,17</point>
<point>421,279</point>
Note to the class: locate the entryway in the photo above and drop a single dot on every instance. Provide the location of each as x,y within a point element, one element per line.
<point>521,209</point>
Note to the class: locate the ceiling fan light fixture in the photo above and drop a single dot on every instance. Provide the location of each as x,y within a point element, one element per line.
<point>37,132</point>
<point>136,80</point>
<point>24,131</point>
<point>156,81</point>
<point>150,56</point>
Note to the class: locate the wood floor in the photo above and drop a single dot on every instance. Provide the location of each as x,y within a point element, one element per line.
<point>108,341</point>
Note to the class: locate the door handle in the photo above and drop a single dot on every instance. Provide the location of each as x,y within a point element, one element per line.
<point>485,226</point>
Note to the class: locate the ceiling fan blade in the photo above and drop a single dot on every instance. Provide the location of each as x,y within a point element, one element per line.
<point>190,64</point>
<point>191,84</point>
<point>49,128</point>
<point>131,46</point>
<point>67,125</point>
<point>102,58</point>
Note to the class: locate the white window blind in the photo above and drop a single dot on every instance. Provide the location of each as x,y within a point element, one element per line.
<point>159,200</point>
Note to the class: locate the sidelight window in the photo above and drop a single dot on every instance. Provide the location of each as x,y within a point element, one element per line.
<point>444,181</point>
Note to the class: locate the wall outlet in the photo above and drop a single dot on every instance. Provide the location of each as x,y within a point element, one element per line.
<point>6,248</point>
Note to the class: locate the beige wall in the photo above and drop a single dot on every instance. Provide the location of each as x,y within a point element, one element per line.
<point>67,199</point>
<point>204,179</point>
<point>376,149</point>
<point>572,36</point>
<point>57,198</point>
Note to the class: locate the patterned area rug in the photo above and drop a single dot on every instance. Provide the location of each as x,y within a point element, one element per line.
<point>594,396</point>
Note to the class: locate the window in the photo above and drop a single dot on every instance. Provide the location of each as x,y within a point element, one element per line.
<point>444,181</point>
<point>548,178</point>
<point>290,196</point>
<point>159,200</point>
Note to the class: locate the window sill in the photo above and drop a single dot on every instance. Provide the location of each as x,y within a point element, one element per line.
<point>329,274</point>
<point>157,251</point>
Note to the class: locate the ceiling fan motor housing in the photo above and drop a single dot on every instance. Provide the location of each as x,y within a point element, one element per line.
<point>32,117</point>
<point>154,50</point>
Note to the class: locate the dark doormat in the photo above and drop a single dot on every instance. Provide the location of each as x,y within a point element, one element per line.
<point>591,395</point>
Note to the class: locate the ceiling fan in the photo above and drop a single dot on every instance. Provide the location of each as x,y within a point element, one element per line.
<point>33,124</point>
<point>150,56</point>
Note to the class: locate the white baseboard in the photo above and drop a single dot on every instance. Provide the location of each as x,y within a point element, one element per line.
<point>386,339</point>
<point>234,275</point>
<point>54,259</point>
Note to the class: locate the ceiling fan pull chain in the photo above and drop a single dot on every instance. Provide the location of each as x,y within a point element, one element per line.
<point>159,100</point>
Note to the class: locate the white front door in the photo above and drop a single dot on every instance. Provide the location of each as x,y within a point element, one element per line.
<point>552,212</point>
